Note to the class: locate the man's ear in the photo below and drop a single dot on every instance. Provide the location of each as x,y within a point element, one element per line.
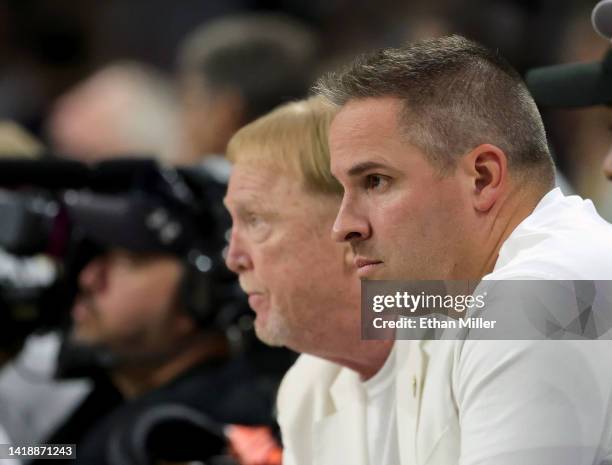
<point>487,169</point>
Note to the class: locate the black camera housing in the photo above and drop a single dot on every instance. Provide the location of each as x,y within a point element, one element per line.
<point>71,211</point>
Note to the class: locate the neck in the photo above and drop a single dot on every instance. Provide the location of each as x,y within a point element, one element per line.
<point>517,205</point>
<point>367,358</point>
<point>134,378</point>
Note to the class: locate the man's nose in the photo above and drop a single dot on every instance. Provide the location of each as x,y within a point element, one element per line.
<point>351,225</point>
<point>93,276</point>
<point>237,258</point>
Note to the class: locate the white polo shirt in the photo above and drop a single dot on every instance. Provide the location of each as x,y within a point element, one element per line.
<point>482,402</point>
<point>563,238</point>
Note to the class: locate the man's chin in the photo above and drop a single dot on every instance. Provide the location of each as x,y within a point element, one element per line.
<point>375,277</point>
<point>269,336</point>
<point>84,336</point>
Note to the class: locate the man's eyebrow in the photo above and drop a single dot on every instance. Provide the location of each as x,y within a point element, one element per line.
<point>360,168</point>
<point>240,205</point>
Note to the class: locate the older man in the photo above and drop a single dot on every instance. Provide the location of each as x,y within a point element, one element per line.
<point>302,286</point>
<point>283,201</point>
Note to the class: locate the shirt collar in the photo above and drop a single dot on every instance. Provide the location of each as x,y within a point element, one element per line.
<point>530,230</point>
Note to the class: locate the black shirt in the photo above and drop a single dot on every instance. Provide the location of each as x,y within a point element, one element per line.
<point>223,391</point>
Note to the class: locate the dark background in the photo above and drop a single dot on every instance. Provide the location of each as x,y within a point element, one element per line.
<point>46,46</point>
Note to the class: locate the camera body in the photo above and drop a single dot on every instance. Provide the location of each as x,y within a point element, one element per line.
<point>62,213</point>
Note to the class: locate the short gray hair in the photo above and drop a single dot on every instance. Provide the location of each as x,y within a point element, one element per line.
<point>267,57</point>
<point>457,95</point>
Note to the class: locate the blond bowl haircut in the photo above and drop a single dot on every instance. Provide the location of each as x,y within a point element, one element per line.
<point>292,137</point>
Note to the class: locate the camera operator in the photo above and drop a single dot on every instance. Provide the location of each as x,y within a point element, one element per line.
<point>151,323</point>
<point>128,304</point>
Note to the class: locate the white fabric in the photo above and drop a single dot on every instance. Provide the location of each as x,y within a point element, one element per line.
<point>478,402</point>
<point>564,238</point>
<point>32,407</point>
<point>4,439</point>
<point>381,414</point>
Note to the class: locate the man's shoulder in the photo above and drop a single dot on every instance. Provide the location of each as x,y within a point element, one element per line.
<point>308,375</point>
<point>305,392</point>
<point>565,239</point>
<point>304,398</point>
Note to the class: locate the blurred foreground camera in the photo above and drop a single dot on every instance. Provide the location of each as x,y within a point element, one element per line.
<point>58,215</point>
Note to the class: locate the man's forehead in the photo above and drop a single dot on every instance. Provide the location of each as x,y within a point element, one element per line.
<point>359,131</point>
<point>255,182</point>
<point>142,259</point>
<point>363,114</point>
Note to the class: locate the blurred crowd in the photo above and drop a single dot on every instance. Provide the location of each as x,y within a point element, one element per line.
<point>129,61</point>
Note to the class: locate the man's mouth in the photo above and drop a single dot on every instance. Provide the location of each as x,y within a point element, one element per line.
<point>366,265</point>
<point>256,301</point>
<point>82,308</point>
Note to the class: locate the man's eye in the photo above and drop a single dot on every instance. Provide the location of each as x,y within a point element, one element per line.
<point>375,181</point>
<point>253,219</point>
<point>257,226</point>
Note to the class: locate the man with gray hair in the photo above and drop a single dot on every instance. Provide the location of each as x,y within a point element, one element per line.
<point>446,175</point>
<point>237,68</point>
<point>124,108</point>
